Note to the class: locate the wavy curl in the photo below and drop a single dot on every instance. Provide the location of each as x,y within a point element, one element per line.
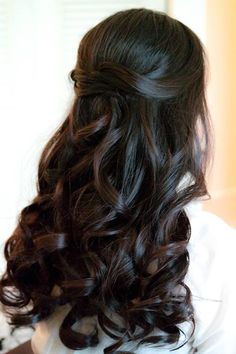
<point>107,227</point>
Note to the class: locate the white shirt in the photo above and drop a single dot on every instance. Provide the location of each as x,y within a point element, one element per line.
<point>211,279</point>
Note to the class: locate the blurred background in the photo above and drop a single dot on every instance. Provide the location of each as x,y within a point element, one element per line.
<point>38,48</point>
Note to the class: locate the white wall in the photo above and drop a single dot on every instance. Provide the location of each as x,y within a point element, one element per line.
<point>190,12</point>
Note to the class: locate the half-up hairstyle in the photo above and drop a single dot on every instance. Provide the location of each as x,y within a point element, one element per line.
<point>108,228</point>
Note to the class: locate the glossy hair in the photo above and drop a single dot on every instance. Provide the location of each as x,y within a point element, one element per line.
<point>108,228</point>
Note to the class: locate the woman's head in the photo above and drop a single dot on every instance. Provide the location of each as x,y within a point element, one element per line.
<point>140,52</point>
<point>139,60</point>
<point>108,226</point>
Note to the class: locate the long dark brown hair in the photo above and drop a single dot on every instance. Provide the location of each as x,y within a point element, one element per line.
<point>108,226</point>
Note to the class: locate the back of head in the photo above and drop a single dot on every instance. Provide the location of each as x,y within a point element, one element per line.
<point>149,70</point>
<point>108,225</point>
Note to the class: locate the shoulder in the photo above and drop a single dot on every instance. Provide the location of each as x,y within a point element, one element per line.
<point>210,277</point>
<point>211,249</point>
<point>45,339</point>
<point>209,229</point>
